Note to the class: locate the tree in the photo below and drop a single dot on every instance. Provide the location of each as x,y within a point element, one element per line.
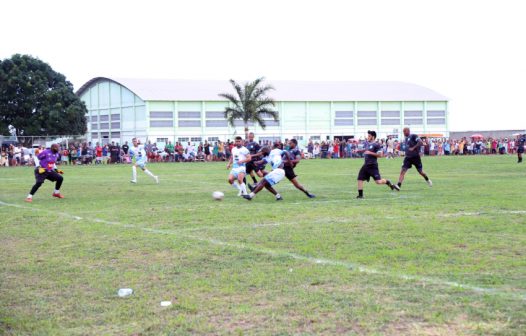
<point>38,100</point>
<point>250,104</point>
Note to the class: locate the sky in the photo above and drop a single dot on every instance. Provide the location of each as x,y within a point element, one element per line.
<point>473,52</point>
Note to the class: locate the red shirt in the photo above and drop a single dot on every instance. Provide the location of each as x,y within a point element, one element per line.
<point>98,151</point>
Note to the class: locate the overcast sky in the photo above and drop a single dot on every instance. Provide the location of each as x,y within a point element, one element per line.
<point>473,52</point>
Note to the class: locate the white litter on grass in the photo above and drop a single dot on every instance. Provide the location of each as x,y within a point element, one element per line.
<point>166,303</point>
<point>124,292</point>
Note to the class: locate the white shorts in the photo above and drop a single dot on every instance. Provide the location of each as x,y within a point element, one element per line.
<point>390,150</point>
<point>275,176</point>
<point>238,170</point>
<point>141,164</point>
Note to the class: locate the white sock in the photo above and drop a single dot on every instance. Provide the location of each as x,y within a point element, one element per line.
<point>134,173</point>
<point>243,188</point>
<point>236,185</point>
<point>149,173</point>
<point>278,196</point>
<point>56,191</point>
<point>29,196</point>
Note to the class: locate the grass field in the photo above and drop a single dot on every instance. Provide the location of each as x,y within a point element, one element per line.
<point>446,260</point>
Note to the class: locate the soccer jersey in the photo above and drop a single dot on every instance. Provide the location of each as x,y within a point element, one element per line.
<point>253,147</point>
<point>411,141</point>
<point>521,142</point>
<point>294,153</point>
<point>239,154</point>
<point>47,159</point>
<point>138,153</point>
<point>275,158</point>
<point>374,147</point>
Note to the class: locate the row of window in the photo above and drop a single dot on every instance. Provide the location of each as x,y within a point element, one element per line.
<point>391,121</point>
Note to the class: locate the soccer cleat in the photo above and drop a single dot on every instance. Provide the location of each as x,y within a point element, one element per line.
<point>29,199</point>
<point>156,178</point>
<point>359,197</point>
<point>395,187</point>
<point>429,183</point>
<point>133,181</point>
<point>239,193</point>
<point>247,197</point>
<point>311,195</point>
<point>279,198</point>
<point>251,187</point>
<point>57,195</point>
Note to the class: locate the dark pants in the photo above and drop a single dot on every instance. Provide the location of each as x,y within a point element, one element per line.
<point>47,175</point>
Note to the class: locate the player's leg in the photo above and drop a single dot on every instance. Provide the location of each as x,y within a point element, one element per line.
<point>374,172</point>
<point>519,156</point>
<point>149,173</point>
<point>298,186</point>
<point>360,189</point>
<point>134,173</point>
<point>405,167</point>
<point>58,179</point>
<point>39,180</point>
<point>233,180</point>
<point>242,186</point>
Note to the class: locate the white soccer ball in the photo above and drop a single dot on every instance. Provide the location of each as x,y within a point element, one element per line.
<point>218,195</point>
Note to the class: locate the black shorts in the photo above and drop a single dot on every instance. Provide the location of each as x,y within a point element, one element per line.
<point>412,161</point>
<point>289,172</point>
<point>369,171</point>
<point>251,166</point>
<point>520,149</point>
<point>48,175</point>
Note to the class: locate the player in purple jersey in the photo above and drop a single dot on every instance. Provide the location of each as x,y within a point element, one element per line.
<point>412,157</point>
<point>47,170</point>
<point>371,153</point>
<point>253,147</point>
<point>295,157</point>
<point>521,141</point>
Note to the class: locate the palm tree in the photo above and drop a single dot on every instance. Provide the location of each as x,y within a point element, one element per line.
<point>250,104</point>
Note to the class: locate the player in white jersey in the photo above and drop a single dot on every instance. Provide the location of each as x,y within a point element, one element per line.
<point>138,154</point>
<point>238,160</point>
<point>275,158</point>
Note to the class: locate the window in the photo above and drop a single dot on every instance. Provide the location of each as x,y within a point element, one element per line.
<point>115,117</point>
<point>115,135</point>
<point>183,139</point>
<point>189,115</point>
<point>94,118</point>
<point>216,123</point>
<point>94,126</point>
<point>436,114</point>
<point>165,140</point>
<point>298,137</point>
<point>189,123</point>
<point>238,123</point>
<point>215,115</point>
<point>391,121</point>
<point>271,123</point>
<point>196,139</point>
<point>104,118</point>
<point>390,114</point>
<point>104,126</point>
<point>315,137</point>
<point>213,138</point>
<point>269,120</point>
<point>436,121</point>
<point>161,115</point>
<point>94,135</point>
<point>115,125</point>
<point>413,121</point>
<point>413,114</point>
<point>344,118</point>
<point>363,122</point>
<point>343,122</point>
<point>161,123</point>
<point>344,114</point>
<point>366,114</point>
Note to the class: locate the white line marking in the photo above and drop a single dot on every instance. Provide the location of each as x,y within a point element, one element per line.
<point>277,253</point>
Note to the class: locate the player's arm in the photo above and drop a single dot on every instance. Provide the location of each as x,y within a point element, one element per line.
<point>248,158</point>
<point>418,144</point>
<point>293,161</point>
<point>230,161</point>
<point>378,154</point>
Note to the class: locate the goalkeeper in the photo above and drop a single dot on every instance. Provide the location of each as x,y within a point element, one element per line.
<point>47,170</point>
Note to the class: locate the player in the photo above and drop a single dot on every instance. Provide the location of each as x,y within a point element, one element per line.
<point>390,147</point>
<point>371,153</point>
<point>138,153</point>
<point>412,157</point>
<point>295,157</point>
<point>238,160</point>
<point>276,159</point>
<point>521,141</point>
<point>253,147</point>
<point>47,170</point>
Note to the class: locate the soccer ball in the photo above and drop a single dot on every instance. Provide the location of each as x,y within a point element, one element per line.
<point>217,195</point>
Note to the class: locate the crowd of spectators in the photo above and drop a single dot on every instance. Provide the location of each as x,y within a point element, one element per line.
<point>87,153</point>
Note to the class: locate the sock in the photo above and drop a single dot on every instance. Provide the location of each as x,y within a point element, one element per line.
<point>360,192</point>
<point>243,188</point>
<point>236,185</point>
<point>29,196</point>
<point>306,192</point>
<point>149,173</point>
<point>253,195</point>
<point>388,183</point>
<point>134,173</point>
<point>426,178</point>
<point>254,179</point>
<point>278,195</point>
<point>399,184</point>
<point>56,191</point>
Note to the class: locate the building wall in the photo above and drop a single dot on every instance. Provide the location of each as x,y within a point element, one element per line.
<point>116,114</point>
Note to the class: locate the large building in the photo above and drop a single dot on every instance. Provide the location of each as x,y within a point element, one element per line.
<point>191,110</point>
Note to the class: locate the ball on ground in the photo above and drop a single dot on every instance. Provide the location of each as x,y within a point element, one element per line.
<point>218,195</point>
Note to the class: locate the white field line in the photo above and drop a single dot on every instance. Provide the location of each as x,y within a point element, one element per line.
<point>277,253</point>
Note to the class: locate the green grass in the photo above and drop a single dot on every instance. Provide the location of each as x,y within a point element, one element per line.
<point>447,260</point>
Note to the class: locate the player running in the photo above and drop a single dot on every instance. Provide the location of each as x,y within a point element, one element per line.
<point>275,158</point>
<point>412,157</point>
<point>47,170</point>
<point>295,157</point>
<point>138,154</point>
<point>370,168</point>
<point>251,168</point>
<point>238,160</point>
<point>521,141</point>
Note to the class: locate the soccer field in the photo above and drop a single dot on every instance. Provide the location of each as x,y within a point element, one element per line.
<point>446,260</point>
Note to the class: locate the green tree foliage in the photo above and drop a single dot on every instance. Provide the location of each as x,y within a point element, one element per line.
<point>38,100</point>
<point>250,103</point>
